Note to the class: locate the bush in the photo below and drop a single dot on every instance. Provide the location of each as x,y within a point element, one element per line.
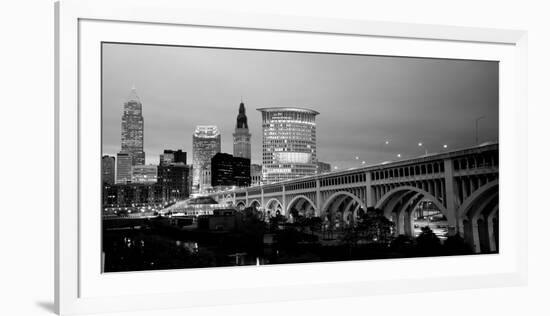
<point>427,243</point>
<point>403,244</point>
<point>456,245</point>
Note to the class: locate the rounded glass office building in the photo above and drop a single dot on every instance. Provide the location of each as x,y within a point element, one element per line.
<point>289,143</point>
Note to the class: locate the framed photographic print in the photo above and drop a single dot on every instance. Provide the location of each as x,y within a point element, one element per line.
<point>213,157</point>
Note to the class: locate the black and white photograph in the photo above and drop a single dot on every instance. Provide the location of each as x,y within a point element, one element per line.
<point>220,157</point>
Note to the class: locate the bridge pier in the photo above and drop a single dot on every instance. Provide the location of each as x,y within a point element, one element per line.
<point>450,199</point>
<point>369,193</point>
<point>318,197</point>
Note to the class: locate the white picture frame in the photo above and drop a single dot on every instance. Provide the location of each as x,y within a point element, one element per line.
<point>79,285</point>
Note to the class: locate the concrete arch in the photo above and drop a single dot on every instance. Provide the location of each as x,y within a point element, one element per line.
<point>240,204</point>
<point>251,202</point>
<point>397,192</point>
<point>296,198</point>
<point>403,225</point>
<point>492,221</point>
<point>473,198</point>
<point>350,212</point>
<point>336,195</point>
<point>269,203</point>
<point>481,209</point>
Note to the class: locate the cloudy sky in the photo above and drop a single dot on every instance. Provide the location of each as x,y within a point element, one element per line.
<point>363,101</point>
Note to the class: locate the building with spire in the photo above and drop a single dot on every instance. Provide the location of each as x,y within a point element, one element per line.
<point>132,129</point>
<point>241,137</point>
<point>206,144</point>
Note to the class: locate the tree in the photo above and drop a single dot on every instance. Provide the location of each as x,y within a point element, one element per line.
<point>294,213</point>
<point>276,221</point>
<point>350,237</point>
<point>374,226</point>
<point>252,214</point>
<point>403,244</point>
<point>427,243</point>
<point>456,245</point>
<point>253,227</point>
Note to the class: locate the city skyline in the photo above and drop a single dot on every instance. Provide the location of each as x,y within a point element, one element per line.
<point>309,114</point>
<point>438,99</point>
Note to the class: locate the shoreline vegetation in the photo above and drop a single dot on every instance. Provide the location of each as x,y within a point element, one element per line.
<point>165,243</point>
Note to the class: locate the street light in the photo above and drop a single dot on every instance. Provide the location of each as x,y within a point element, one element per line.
<point>425,149</point>
<point>477,128</point>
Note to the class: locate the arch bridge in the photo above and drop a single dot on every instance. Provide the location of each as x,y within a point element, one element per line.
<point>463,184</point>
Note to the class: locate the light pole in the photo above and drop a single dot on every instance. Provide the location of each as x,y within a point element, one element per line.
<point>425,149</point>
<point>477,128</point>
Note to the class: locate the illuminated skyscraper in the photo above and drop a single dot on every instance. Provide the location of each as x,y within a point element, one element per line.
<point>132,129</point>
<point>123,167</point>
<point>241,137</point>
<point>289,149</point>
<point>206,143</point>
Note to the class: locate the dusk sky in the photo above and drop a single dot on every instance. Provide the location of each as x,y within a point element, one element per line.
<point>363,101</point>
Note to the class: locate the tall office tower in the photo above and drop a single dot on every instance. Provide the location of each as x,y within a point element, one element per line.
<point>241,137</point>
<point>108,169</point>
<point>173,156</point>
<point>206,143</point>
<point>174,179</point>
<point>132,129</point>
<point>241,171</point>
<point>289,148</point>
<point>123,167</point>
<point>228,171</point>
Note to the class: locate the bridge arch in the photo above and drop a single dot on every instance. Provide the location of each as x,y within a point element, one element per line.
<point>477,218</point>
<point>342,206</point>
<point>481,193</point>
<point>273,206</point>
<point>299,198</point>
<point>399,192</point>
<point>255,203</point>
<point>339,194</point>
<point>240,205</point>
<point>399,205</point>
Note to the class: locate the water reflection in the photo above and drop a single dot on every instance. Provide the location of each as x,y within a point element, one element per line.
<point>134,250</point>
